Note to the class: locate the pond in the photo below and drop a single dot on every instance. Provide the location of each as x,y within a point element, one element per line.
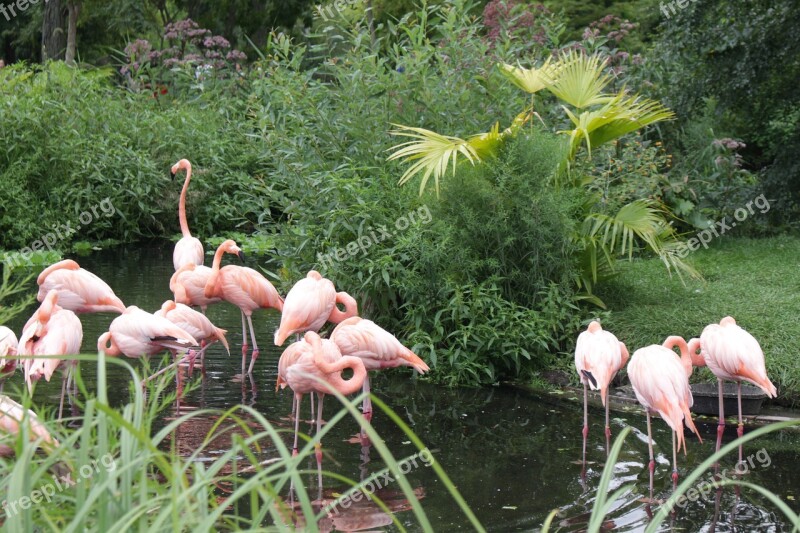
<point>512,454</point>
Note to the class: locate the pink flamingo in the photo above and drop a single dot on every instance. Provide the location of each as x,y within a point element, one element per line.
<point>188,250</point>
<point>316,366</point>
<point>194,323</point>
<point>137,333</point>
<point>246,289</point>
<point>52,330</point>
<point>599,355</point>
<point>376,347</point>
<point>78,289</point>
<point>661,382</point>
<point>733,354</point>
<point>8,352</point>
<point>188,284</point>
<point>310,303</point>
<point>12,418</point>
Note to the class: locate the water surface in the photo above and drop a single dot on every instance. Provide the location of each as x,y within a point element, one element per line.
<point>511,453</point>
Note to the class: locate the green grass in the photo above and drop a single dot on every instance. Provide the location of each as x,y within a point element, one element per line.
<point>756,281</point>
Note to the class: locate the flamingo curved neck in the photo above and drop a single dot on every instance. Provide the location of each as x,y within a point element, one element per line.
<point>182,204</point>
<point>107,345</point>
<point>334,373</point>
<point>350,308</point>
<point>211,285</point>
<point>66,263</point>
<point>680,342</point>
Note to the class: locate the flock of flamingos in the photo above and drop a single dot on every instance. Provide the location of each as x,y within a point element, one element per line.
<point>659,377</point>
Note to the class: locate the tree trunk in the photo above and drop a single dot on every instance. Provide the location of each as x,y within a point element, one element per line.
<point>74,9</point>
<point>54,38</point>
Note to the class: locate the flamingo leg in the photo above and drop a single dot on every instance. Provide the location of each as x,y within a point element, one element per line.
<point>312,407</point>
<point>366,405</point>
<point>298,398</point>
<point>203,346</point>
<point>721,424</point>
<point>244,344</point>
<point>254,356</point>
<point>608,430</point>
<point>652,465</point>
<point>674,462</point>
<point>740,428</point>
<point>585,418</point>
<point>63,392</point>
<point>318,445</point>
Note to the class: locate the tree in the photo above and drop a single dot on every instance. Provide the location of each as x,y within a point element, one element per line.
<point>54,36</point>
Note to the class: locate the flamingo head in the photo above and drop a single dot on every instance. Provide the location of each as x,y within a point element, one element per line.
<point>48,306</point>
<point>696,352</point>
<point>182,164</point>
<point>166,307</point>
<point>230,247</point>
<point>727,321</point>
<point>313,274</point>
<point>594,327</point>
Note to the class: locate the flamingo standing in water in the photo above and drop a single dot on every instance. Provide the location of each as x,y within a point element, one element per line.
<point>136,333</point>
<point>78,289</point>
<point>8,352</point>
<point>246,289</point>
<point>188,284</point>
<point>316,365</point>
<point>188,250</point>
<point>196,324</point>
<point>376,347</point>
<point>52,330</point>
<point>310,303</point>
<point>733,354</point>
<point>661,382</point>
<point>12,416</point>
<point>599,355</point>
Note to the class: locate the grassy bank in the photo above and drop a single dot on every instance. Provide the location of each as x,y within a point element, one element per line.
<point>753,280</point>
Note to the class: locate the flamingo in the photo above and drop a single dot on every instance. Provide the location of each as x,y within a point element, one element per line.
<point>316,366</point>
<point>136,333</point>
<point>246,289</point>
<point>310,303</point>
<point>188,250</point>
<point>661,382</point>
<point>12,416</point>
<point>733,354</point>
<point>52,330</point>
<point>8,352</point>
<point>78,289</point>
<point>376,347</point>
<point>188,284</point>
<point>194,323</point>
<point>599,355</point>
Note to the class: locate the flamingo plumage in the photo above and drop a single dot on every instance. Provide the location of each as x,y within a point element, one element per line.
<point>733,354</point>
<point>376,347</point>
<point>310,303</point>
<point>195,323</point>
<point>12,418</point>
<point>316,365</point>
<point>188,285</point>
<point>51,331</point>
<point>8,353</point>
<point>599,355</point>
<point>660,380</point>
<point>188,250</point>
<point>245,288</point>
<point>78,289</point>
<point>137,333</point>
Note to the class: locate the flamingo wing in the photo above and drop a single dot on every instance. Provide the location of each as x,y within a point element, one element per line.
<point>732,353</point>
<point>306,307</point>
<point>374,345</point>
<point>188,250</point>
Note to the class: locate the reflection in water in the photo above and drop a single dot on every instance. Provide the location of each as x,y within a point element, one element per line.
<point>352,510</point>
<point>510,453</point>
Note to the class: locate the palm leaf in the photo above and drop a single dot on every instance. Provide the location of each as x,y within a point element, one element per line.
<point>634,113</point>
<point>431,152</point>
<point>531,80</point>
<point>641,218</point>
<point>581,81</point>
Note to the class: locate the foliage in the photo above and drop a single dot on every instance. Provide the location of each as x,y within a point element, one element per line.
<point>104,143</point>
<point>10,285</point>
<point>138,480</point>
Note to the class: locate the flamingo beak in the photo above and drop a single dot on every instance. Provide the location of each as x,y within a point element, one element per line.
<point>172,174</point>
<point>241,255</point>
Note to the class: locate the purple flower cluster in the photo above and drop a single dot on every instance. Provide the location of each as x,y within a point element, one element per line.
<point>609,31</point>
<point>188,45</point>
<point>514,18</point>
<point>729,156</point>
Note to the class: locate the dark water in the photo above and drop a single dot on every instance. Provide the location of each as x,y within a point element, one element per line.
<point>511,454</point>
